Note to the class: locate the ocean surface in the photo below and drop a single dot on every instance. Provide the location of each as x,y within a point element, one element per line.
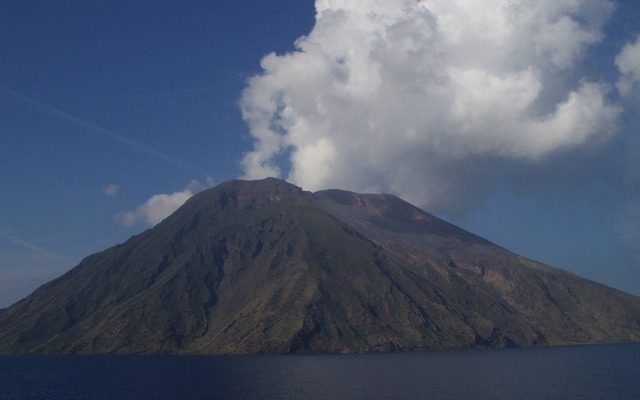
<point>581,373</point>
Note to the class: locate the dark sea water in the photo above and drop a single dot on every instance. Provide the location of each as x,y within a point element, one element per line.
<point>581,373</point>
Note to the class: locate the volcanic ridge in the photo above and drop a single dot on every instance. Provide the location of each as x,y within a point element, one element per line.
<point>262,267</point>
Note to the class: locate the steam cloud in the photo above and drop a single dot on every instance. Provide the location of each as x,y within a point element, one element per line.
<point>421,98</point>
<point>159,206</point>
<point>111,190</point>
<point>628,62</point>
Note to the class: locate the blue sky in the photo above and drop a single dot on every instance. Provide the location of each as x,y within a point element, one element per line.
<point>104,104</point>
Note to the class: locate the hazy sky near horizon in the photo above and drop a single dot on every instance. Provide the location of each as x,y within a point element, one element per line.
<point>517,120</point>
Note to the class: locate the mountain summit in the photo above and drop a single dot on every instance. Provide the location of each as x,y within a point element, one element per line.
<point>265,267</point>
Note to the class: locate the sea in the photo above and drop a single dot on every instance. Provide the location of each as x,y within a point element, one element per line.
<point>582,373</point>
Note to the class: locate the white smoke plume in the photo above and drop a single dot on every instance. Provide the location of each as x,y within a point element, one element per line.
<point>111,190</point>
<point>159,206</point>
<point>421,97</point>
<point>628,62</point>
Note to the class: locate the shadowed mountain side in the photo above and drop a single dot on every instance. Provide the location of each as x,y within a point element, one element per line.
<point>264,267</point>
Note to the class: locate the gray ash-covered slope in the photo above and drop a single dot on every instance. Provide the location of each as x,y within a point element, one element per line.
<point>264,267</point>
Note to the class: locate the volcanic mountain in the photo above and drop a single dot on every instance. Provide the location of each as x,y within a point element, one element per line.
<point>265,267</point>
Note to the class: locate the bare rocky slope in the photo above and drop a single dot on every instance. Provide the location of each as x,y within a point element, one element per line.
<point>264,267</point>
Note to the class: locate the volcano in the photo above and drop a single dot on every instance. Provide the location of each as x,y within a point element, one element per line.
<point>263,267</point>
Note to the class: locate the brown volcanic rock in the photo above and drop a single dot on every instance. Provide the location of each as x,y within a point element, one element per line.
<point>264,267</point>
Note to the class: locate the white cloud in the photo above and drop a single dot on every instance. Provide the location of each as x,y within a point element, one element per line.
<point>418,97</point>
<point>628,62</point>
<point>160,206</point>
<point>157,208</point>
<point>111,190</point>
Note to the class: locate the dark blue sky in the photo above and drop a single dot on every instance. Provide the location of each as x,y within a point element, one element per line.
<point>144,95</point>
<point>165,75</point>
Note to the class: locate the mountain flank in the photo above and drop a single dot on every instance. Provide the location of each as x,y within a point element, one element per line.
<point>262,267</point>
